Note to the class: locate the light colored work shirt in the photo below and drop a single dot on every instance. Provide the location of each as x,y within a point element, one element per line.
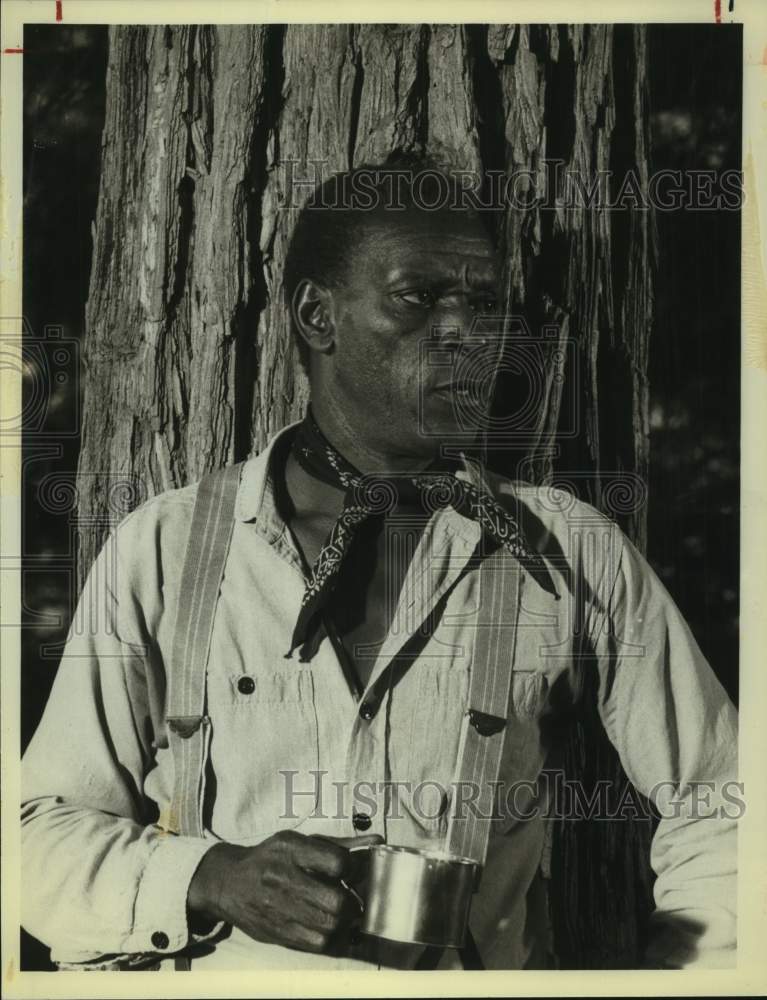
<point>104,882</point>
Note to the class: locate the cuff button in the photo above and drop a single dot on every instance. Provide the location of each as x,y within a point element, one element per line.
<point>160,940</point>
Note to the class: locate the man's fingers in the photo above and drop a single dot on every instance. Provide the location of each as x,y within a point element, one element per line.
<point>368,840</point>
<point>307,938</point>
<point>327,855</point>
<point>321,856</point>
<point>333,856</point>
<point>306,912</point>
<point>330,897</point>
<point>357,861</point>
<point>289,890</point>
<point>318,928</point>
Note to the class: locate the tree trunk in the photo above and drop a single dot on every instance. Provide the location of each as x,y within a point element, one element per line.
<point>209,132</point>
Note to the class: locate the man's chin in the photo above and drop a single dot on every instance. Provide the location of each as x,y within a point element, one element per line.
<point>444,422</point>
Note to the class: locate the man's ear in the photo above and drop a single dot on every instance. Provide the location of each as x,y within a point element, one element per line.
<point>312,310</point>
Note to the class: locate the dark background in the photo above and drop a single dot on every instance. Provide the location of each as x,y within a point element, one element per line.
<point>695,80</point>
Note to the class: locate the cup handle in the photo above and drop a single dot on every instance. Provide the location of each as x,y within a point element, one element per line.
<point>349,888</point>
<point>353,892</point>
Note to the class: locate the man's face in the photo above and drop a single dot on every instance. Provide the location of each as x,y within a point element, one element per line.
<point>416,277</point>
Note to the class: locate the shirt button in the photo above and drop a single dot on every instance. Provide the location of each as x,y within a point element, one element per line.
<point>361,822</point>
<point>160,940</point>
<point>246,685</point>
<point>367,710</point>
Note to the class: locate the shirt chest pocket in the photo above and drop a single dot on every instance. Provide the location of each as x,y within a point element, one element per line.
<point>523,752</point>
<point>527,703</point>
<point>264,753</point>
<point>426,719</point>
<point>529,689</point>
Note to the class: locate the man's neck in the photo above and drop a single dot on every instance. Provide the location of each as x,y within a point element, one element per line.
<point>365,455</point>
<point>308,495</point>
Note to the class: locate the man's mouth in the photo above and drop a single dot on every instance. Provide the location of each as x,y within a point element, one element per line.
<point>460,389</point>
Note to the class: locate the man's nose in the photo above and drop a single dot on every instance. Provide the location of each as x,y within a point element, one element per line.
<point>455,321</point>
<point>459,330</point>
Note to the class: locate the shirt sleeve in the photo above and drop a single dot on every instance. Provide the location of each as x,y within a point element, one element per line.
<point>675,730</point>
<point>102,882</point>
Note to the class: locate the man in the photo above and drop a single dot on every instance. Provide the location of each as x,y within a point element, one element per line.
<point>343,648</point>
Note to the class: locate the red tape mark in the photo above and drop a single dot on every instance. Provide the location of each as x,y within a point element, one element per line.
<point>718,11</point>
<point>59,10</point>
<point>10,52</point>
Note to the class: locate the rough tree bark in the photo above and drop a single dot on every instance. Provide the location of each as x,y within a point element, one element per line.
<point>189,361</point>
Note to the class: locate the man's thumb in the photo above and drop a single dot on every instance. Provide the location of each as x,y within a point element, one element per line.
<point>368,840</point>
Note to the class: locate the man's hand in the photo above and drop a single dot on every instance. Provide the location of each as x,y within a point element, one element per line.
<point>286,890</point>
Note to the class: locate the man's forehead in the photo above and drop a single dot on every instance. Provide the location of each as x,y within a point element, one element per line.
<point>444,241</point>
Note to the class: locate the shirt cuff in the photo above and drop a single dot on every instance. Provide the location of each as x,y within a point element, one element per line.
<point>160,922</point>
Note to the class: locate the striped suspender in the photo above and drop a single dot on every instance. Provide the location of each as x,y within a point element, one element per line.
<point>206,551</point>
<point>483,730</point>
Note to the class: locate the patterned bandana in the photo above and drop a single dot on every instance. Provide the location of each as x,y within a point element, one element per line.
<point>368,496</point>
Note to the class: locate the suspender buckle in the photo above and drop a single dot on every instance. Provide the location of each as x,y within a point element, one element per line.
<point>485,724</point>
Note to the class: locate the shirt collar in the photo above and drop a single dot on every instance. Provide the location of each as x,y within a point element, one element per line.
<point>255,496</point>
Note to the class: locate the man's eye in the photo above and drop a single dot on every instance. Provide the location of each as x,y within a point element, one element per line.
<point>485,304</point>
<point>419,297</point>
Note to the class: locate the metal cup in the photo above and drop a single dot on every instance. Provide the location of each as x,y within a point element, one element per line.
<point>418,897</point>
